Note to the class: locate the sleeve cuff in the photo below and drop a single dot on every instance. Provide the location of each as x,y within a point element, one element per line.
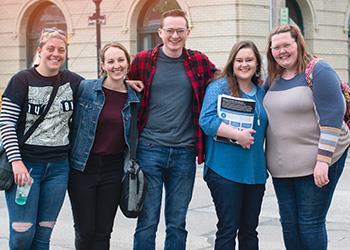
<point>328,140</point>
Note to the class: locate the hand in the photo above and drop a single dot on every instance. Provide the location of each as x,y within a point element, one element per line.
<point>20,173</point>
<point>245,138</point>
<point>321,174</point>
<point>137,85</point>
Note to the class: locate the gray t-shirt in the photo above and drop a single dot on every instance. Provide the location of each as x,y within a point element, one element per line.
<point>170,117</point>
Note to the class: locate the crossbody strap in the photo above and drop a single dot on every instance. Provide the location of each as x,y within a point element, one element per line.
<point>134,133</point>
<point>309,69</point>
<point>42,116</point>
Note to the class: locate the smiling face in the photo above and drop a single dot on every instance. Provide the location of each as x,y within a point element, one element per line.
<point>245,65</point>
<point>284,50</point>
<point>52,56</point>
<point>174,33</point>
<point>115,64</point>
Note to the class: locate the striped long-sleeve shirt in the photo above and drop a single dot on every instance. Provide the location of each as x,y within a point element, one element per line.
<point>8,119</point>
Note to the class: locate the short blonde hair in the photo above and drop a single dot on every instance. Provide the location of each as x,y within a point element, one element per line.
<point>48,33</point>
<point>45,35</point>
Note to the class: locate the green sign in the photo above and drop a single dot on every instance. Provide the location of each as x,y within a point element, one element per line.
<point>284,16</point>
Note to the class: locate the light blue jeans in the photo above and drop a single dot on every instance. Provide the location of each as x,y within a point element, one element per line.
<point>31,224</point>
<point>175,168</point>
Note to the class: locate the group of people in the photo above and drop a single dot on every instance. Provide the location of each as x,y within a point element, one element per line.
<point>298,136</point>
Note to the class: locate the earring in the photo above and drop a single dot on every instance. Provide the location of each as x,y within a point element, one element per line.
<point>257,74</point>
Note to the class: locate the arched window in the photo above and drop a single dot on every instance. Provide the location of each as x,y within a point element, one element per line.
<point>45,15</point>
<point>295,13</point>
<point>149,20</point>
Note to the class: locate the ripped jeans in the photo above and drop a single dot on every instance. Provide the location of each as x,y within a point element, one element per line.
<point>31,224</point>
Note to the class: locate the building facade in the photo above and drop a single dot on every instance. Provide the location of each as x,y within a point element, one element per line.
<point>215,27</point>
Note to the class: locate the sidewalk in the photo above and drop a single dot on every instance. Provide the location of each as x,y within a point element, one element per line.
<point>201,222</point>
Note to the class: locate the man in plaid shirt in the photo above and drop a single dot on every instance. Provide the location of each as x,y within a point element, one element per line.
<point>175,79</point>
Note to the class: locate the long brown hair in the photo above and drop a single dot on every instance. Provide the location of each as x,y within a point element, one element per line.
<point>228,68</point>
<point>274,69</point>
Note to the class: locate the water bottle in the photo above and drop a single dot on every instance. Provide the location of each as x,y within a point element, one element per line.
<point>22,192</point>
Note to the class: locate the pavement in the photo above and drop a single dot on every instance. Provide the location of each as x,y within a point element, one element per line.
<point>201,222</point>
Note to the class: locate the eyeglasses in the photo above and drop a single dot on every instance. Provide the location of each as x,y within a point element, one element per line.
<point>179,32</point>
<point>52,30</point>
<point>285,46</point>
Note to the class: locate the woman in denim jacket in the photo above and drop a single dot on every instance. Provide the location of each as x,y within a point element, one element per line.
<point>100,139</point>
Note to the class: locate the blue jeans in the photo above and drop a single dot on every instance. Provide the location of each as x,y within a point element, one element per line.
<point>31,224</point>
<point>175,168</point>
<point>237,208</point>
<point>303,208</point>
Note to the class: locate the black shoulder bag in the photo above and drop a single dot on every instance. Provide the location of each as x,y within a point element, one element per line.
<point>6,174</point>
<point>134,183</point>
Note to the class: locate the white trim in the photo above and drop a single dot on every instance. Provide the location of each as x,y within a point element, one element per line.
<point>30,5</point>
<point>346,19</point>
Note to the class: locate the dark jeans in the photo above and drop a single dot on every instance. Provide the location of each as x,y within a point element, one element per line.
<point>94,195</point>
<point>174,168</point>
<point>303,208</point>
<point>237,208</point>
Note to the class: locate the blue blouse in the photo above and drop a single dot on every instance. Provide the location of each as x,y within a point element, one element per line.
<point>247,166</point>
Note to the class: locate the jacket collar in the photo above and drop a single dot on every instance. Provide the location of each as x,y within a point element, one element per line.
<point>132,95</point>
<point>98,83</point>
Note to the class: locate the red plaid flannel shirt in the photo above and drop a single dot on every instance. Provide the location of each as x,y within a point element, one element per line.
<point>199,70</point>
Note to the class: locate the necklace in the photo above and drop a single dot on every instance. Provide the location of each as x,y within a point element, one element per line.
<point>257,109</point>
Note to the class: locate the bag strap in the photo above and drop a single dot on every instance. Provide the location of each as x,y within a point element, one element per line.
<point>134,133</point>
<point>42,116</point>
<point>308,71</point>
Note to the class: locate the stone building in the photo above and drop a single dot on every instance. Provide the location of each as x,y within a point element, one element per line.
<point>215,27</point>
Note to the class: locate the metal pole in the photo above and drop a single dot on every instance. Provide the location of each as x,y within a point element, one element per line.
<point>98,33</point>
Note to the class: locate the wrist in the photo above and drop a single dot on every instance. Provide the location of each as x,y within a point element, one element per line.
<point>320,162</point>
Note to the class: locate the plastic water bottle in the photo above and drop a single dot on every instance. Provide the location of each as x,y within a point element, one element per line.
<point>22,192</point>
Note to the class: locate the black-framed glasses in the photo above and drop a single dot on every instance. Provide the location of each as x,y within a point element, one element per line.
<point>179,32</point>
<point>52,30</point>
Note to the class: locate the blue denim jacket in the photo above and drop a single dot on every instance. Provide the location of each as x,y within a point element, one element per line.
<point>88,108</point>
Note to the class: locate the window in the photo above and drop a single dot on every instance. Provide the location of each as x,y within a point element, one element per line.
<point>45,15</point>
<point>295,14</point>
<point>149,21</point>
